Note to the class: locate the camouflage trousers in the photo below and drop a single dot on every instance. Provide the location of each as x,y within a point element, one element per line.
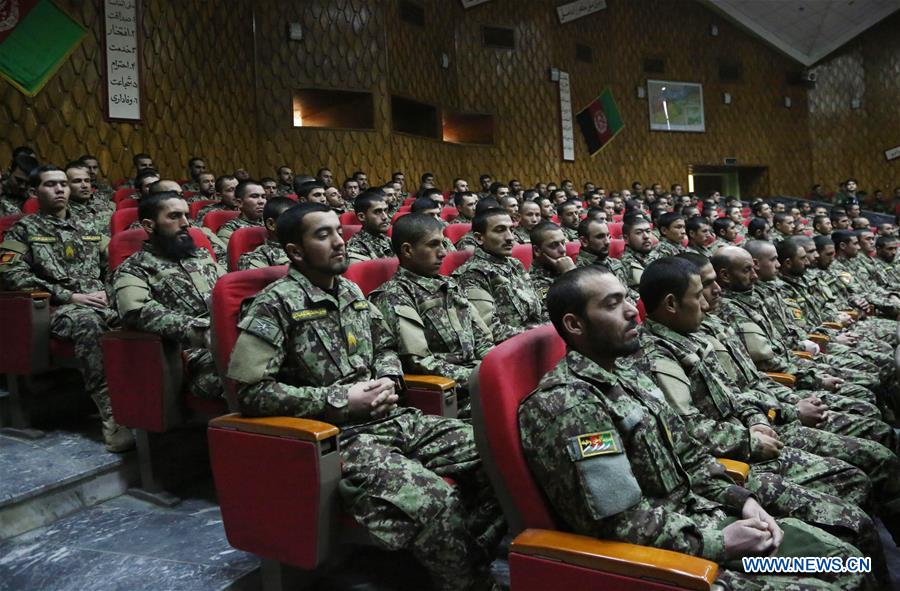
<point>393,484</point>
<point>882,329</point>
<point>800,539</point>
<point>84,326</point>
<point>202,375</point>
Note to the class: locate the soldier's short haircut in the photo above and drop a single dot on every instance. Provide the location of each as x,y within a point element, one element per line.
<point>425,176</point>
<point>695,223</point>
<point>668,275</point>
<point>422,204</point>
<point>584,227</point>
<point>757,224</point>
<point>819,219</point>
<point>804,241</point>
<point>858,223</point>
<point>140,156</point>
<point>530,195</point>
<point>486,204</point>
<point>76,164</point>
<point>883,241</point>
<point>480,223</point>
<point>429,192</point>
<point>540,232</point>
<point>757,207</point>
<point>781,216</point>
<point>356,173</point>
<point>306,188</point>
<point>367,199</point>
<point>484,177</point>
<point>159,186</point>
<point>85,157</point>
<point>321,170</point>
<point>594,212</point>
<point>241,190</point>
<point>631,220</point>
<point>276,206</point>
<point>756,247</point>
<point>149,207</point>
<point>822,242</point>
<point>459,197</point>
<point>147,172</point>
<point>263,180</point>
<point>495,186</point>
<point>289,227</point>
<point>220,181</point>
<point>720,225</point>
<point>568,296</point>
<point>566,205</point>
<point>842,237</point>
<point>302,179</point>
<point>193,159</point>
<point>697,259</point>
<point>667,219</point>
<point>280,168</point>
<point>34,177</point>
<point>786,249</point>
<point>411,229</point>
<point>837,212</point>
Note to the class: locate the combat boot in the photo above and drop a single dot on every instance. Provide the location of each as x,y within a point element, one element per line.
<point>118,439</point>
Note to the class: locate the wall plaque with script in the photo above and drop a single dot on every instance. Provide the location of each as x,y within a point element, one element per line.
<point>123,59</point>
<point>565,110</point>
<point>575,10</point>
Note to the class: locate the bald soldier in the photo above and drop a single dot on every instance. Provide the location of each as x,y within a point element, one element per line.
<point>652,483</point>
<point>310,345</point>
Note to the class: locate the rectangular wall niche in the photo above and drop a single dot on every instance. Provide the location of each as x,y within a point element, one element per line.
<point>413,117</point>
<point>335,109</point>
<point>468,128</point>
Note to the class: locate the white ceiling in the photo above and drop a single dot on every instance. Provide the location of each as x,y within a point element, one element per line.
<point>806,30</point>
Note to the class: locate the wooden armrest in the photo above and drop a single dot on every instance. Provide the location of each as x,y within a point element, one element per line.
<point>629,560</point>
<point>423,382</point>
<point>802,354</point>
<point>736,470</point>
<point>294,428</point>
<point>785,379</point>
<point>35,295</point>
<point>818,339</point>
<point>833,325</point>
<point>851,313</point>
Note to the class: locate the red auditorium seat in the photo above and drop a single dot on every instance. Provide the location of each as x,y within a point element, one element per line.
<point>6,222</point>
<point>370,275</point>
<point>348,231</point>
<point>122,193</point>
<point>455,260</point>
<point>118,184</point>
<point>30,206</point>
<point>292,196</point>
<point>456,231</point>
<point>145,377</point>
<point>573,248</point>
<point>615,229</point>
<point>218,218</point>
<point>122,219</point>
<point>746,222</point>
<point>540,556</point>
<point>398,215</point>
<point>187,194</point>
<point>404,209</point>
<point>348,218</point>
<point>524,253</point>
<point>617,217</point>
<point>616,248</point>
<point>448,214</point>
<point>195,207</point>
<point>244,240</point>
<point>127,204</point>
<point>408,201</point>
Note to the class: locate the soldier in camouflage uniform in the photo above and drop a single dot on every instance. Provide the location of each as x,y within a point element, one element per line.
<point>649,482</point>
<point>569,218</point>
<point>270,253</point>
<point>885,260</point>
<point>285,176</point>
<point>495,282</point>
<point>465,202</point>
<point>372,242</point>
<point>195,167</point>
<point>848,266</point>
<point>15,187</point>
<point>549,259</point>
<point>91,208</point>
<point>54,252</point>
<point>225,186</point>
<point>699,234</point>
<point>594,237</point>
<point>101,188</point>
<point>671,236</point>
<point>431,207</point>
<point>250,199</point>
<point>311,346</point>
<point>529,217</point>
<point>165,287</point>
<point>638,250</point>
<point>436,329</point>
<point>206,188</point>
<point>726,234</point>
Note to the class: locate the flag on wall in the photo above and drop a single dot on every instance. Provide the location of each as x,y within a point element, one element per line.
<point>600,121</point>
<point>36,37</point>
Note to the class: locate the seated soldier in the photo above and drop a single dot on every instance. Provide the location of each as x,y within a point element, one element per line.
<point>465,202</point>
<point>372,242</point>
<point>225,186</point>
<point>102,188</point>
<point>270,253</point>
<point>758,229</point>
<point>638,250</point>
<point>335,200</point>
<point>850,269</point>
<point>56,252</point>
<point>310,191</point>
<point>547,208</point>
<point>594,237</point>
<point>495,282</point>
<point>436,329</point>
<point>311,346</point>
<point>142,182</point>
<point>270,186</point>
<point>392,197</point>
<point>569,218</point>
<point>511,205</point>
<point>362,179</point>
<point>782,226</point>
<point>349,190</point>
<point>165,287</point>
<point>529,217</point>
<point>195,167</point>
<point>650,483</point>
<point>206,188</point>
<point>141,162</point>
<point>429,207</point>
<point>885,260</point>
<point>671,236</point>
<point>250,200</point>
<point>325,176</point>
<point>699,235</point>
<point>726,233</point>
<point>94,209</point>
<point>285,176</point>
<point>468,240</point>
<point>549,259</point>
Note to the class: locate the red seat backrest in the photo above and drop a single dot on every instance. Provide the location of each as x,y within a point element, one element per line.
<point>292,196</point>
<point>616,248</point>
<point>187,194</point>
<point>122,193</point>
<point>615,229</point>
<point>127,204</point>
<point>30,206</point>
<point>348,231</point>
<point>455,260</point>
<point>456,231</point>
<point>404,209</point>
<point>195,207</point>
<point>370,275</point>
<point>573,248</point>
<point>524,253</point>
<point>218,218</point>
<point>119,183</point>
<point>448,214</point>
<point>121,219</point>
<point>7,222</point>
<point>348,218</point>
<point>642,311</point>
<point>495,403</point>
<point>399,215</point>
<point>617,217</point>
<point>124,244</point>
<point>408,201</point>
<point>244,240</point>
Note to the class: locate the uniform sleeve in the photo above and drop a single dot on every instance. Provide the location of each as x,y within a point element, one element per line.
<point>16,272</point>
<point>386,363</point>
<point>477,287</point>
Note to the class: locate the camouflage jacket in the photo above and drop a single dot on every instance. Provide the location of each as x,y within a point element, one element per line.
<point>229,228</point>
<point>300,348</point>
<point>10,205</point>
<point>269,254</point>
<point>541,280</point>
<point>192,186</point>
<point>103,189</point>
<point>782,315</point>
<point>855,280</point>
<point>615,265</point>
<point>888,272</point>
<point>164,296</point>
<point>569,233</point>
<point>615,462</point>
<point>802,300</point>
<point>634,262</point>
<point>95,212</point>
<point>365,246</point>
<point>467,240</point>
<point>436,329</point>
<point>706,251</point>
<point>521,235</point>
<point>665,248</point>
<point>208,208</point>
<point>688,372</point>
<point>719,243</point>
<point>60,256</point>
<point>501,291</point>
<point>461,220</point>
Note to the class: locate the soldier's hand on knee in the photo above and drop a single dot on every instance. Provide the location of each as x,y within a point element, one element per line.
<point>753,510</point>
<point>764,446</point>
<point>830,383</point>
<point>748,537</point>
<point>811,411</point>
<point>95,299</point>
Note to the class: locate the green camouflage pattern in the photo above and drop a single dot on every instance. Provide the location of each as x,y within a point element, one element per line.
<point>365,246</point>
<point>269,254</point>
<point>230,227</point>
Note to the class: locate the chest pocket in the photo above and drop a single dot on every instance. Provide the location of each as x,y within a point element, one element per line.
<point>724,357</point>
<point>318,345</point>
<point>648,436</point>
<point>450,324</point>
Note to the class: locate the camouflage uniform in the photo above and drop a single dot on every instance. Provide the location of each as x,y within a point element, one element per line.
<point>170,298</point>
<point>719,243</point>
<point>615,265</point>
<point>298,352</point>
<point>365,246</point>
<point>64,257</point>
<point>225,232</point>
<point>653,484</point>
<point>706,251</point>
<point>103,189</point>
<point>501,291</point>
<point>634,264</point>
<point>665,248</point>
<point>192,186</point>
<point>208,208</point>
<point>834,289</point>
<point>521,235</point>
<point>283,190</point>
<point>467,240</point>
<point>436,329</point>
<point>854,276</point>
<point>96,211</point>
<point>888,272</point>
<point>569,233</point>
<point>270,254</point>
<point>461,220</point>
<point>10,205</point>
<point>541,280</point>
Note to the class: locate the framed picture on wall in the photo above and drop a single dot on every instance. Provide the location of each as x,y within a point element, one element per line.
<point>675,106</point>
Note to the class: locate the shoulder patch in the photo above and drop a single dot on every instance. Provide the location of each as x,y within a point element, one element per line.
<point>589,445</point>
<point>8,257</point>
<point>310,314</point>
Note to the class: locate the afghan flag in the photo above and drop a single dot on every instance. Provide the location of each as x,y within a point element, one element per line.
<point>36,37</point>
<point>600,121</point>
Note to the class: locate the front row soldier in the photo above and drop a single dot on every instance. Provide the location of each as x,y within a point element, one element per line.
<point>647,481</point>
<point>56,252</point>
<point>165,287</point>
<point>270,252</point>
<point>311,346</point>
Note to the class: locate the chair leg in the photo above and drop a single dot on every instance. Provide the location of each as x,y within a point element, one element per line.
<point>13,420</point>
<point>150,489</point>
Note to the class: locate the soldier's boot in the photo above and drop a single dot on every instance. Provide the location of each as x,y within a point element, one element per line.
<point>118,439</point>
<point>444,547</point>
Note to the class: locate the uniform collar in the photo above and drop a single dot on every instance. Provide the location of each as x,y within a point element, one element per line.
<point>482,254</point>
<point>317,294</point>
<point>683,342</point>
<point>429,284</point>
<point>587,369</point>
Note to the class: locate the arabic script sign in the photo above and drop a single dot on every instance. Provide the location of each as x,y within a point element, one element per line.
<point>123,88</point>
<point>575,10</point>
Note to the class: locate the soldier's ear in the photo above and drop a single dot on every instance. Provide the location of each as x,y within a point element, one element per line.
<point>294,252</point>
<point>406,250</point>
<point>670,303</point>
<point>573,324</point>
<point>479,237</point>
<point>148,225</point>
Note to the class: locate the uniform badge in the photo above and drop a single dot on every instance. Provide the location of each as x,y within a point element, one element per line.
<point>351,341</point>
<point>309,314</point>
<point>360,305</point>
<point>798,313</point>
<point>597,444</point>
<point>7,257</point>
<point>69,250</point>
